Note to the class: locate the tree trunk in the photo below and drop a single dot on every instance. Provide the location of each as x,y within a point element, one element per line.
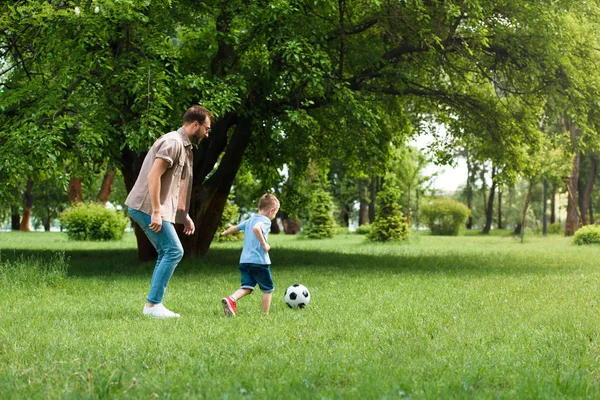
<point>587,195</point>
<point>489,211</point>
<point>46,221</point>
<point>209,196</point>
<point>523,217</point>
<point>107,185</point>
<point>373,189</point>
<point>28,197</point>
<point>291,226</point>
<point>469,193</point>
<point>15,219</point>
<point>553,204</point>
<point>74,191</point>
<point>275,227</point>
<point>500,209</point>
<point>408,208</point>
<point>363,212</point>
<point>545,209</point>
<point>572,222</point>
<point>130,170</point>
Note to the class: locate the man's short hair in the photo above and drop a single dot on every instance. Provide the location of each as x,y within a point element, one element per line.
<point>267,201</point>
<point>196,113</point>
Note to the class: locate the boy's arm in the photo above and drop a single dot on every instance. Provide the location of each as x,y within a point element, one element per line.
<point>231,229</point>
<point>258,232</point>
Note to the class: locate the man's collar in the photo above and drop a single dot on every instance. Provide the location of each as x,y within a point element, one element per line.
<point>184,137</point>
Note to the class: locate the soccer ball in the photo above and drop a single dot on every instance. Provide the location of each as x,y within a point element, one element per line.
<point>297,296</point>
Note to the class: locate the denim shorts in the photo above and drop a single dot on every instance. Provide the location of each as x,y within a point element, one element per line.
<point>257,273</point>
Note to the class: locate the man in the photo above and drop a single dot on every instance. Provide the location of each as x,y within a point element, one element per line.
<point>161,197</point>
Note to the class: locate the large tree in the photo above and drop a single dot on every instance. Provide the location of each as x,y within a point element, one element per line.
<point>292,82</point>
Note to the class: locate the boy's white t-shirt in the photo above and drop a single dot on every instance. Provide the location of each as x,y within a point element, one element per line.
<point>253,252</point>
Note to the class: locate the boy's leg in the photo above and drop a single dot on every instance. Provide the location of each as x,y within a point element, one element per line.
<point>241,292</point>
<point>266,302</point>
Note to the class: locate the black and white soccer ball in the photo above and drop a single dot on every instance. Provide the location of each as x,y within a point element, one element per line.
<point>297,296</point>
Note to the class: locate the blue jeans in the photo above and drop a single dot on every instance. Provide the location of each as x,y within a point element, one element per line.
<point>169,250</point>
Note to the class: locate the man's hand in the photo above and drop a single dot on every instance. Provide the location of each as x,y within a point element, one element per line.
<point>155,222</point>
<point>188,227</point>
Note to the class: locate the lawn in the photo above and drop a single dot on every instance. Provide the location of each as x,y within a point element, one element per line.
<point>438,317</point>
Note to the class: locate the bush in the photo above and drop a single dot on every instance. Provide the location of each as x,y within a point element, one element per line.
<point>93,221</point>
<point>389,222</point>
<point>589,234</point>
<point>555,228</point>
<point>363,229</point>
<point>444,216</point>
<point>320,220</point>
<point>230,216</point>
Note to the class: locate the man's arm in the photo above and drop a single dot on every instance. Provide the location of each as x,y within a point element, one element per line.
<point>158,169</point>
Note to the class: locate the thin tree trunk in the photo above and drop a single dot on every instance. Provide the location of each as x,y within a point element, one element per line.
<point>489,212</point>
<point>28,197</point>
<point>553,204</point>
<point>107,185</point>
<point>500,209</point>
<point>363,212</point>
<point>373,189</point>
<point>46,221</point>
<point>74,191</point>
<point>408,208</point>
<point>523,217</point>
<point>15,219</point>
<point>545,208</point>
<point>469,193</point>
<point>587,195</point>
<point>573,218</point>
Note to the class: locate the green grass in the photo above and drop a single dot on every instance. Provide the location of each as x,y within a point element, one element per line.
<point>463,317</point>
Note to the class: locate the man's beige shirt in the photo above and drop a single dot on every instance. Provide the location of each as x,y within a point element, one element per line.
<point>175,183</point>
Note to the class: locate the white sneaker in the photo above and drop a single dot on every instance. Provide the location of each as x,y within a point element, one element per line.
<point>159,311</point>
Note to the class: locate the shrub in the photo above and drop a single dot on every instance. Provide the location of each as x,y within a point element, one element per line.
<point>589,234</point>
<point>555,228</point>
<point>320,220</point>
<point>444,216</point>
<point>93,221</point>
<point>389,222</point>
<point>230,216</point>
<point>363,229</point>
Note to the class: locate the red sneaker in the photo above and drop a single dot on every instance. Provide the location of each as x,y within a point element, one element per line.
<point>229,306</point>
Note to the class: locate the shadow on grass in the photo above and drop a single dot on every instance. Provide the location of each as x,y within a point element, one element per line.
<point>107,263</point>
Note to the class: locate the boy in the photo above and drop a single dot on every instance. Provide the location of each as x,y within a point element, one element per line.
<point>254,261</point>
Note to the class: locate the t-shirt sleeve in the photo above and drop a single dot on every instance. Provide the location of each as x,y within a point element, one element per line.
<point>168,150</point>
<point>265,225</point>
<point>242,226</point>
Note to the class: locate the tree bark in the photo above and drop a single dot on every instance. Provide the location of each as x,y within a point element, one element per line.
<point>524,215</point>
<point>291,226</point>
<point>15,219</point>
<point>130,170</point>
<point>363,212</point>
<point>209,195</point>
<point>489,211</point>
<point>373,189</point>
<point>74,191</point>
<point>500,209</point>
<point>553,204</point>
<point>545,209</point>
<point>586,200</point>
<point>469,193</point>
<point>107,185</point>
<point>28,197</point>
<point>275,227</point>
<point>572,222</point>
<point>408,208</point>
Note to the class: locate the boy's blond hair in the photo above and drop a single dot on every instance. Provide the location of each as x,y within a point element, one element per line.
<point>267,201</point>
